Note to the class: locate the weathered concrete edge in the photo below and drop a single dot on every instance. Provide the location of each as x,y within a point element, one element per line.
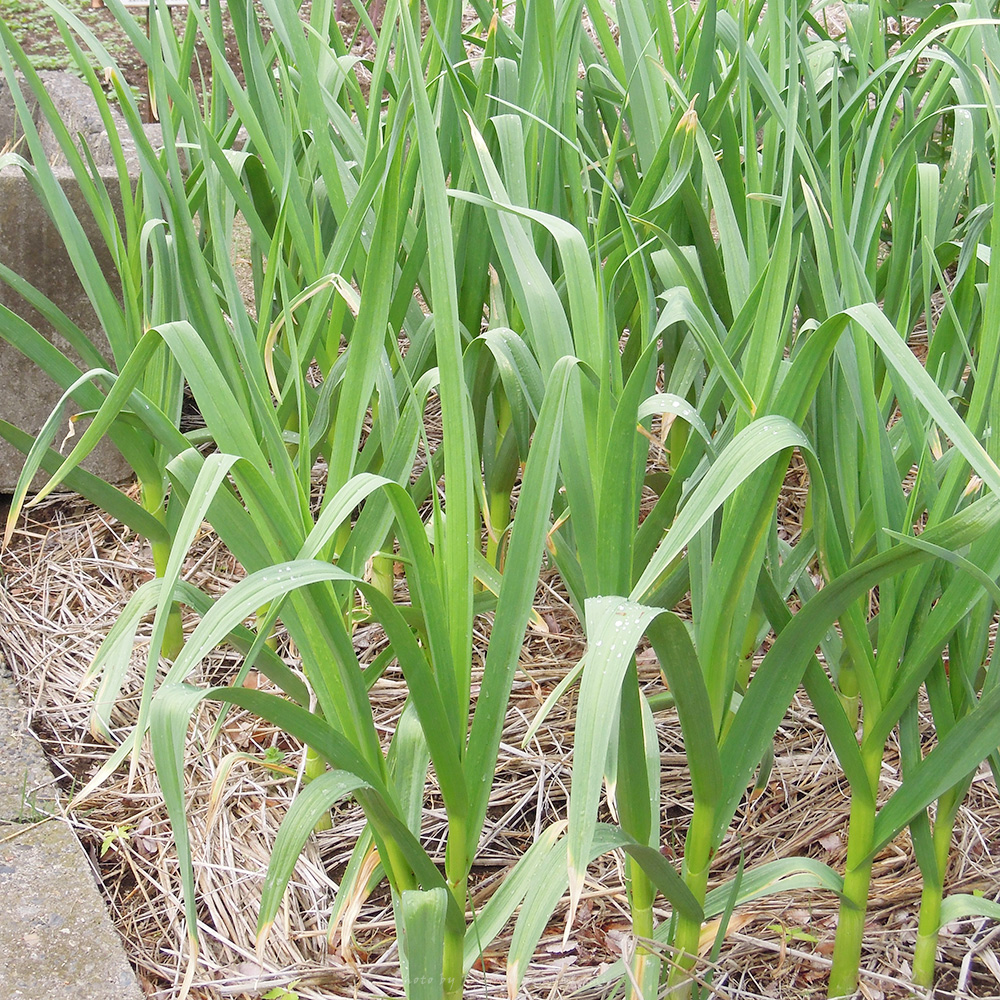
<point>59,941</point>
<point>30,243</point>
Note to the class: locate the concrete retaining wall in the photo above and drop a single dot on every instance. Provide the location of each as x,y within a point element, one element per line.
<point>58,942</point>
<point>31,246</point>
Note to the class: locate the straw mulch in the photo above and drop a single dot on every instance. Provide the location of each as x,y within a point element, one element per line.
<point>67,577</point>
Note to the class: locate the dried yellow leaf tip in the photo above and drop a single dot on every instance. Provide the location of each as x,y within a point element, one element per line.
<point>352,909</point>
<point>710,930</point>
<point>263,933</point>
<point>689,120</point>
<point>192,964</point>
<point>513,979</point>
<point>575,892</point>
<point>975,484</point>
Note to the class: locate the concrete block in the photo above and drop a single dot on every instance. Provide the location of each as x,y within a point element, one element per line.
<point>59,942</point>
<point>31,246</point>
<point>26,783</point>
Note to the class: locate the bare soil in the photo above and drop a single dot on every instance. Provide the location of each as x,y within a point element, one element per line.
<point>37,31</point>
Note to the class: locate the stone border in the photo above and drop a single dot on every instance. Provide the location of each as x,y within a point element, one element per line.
<point>58,940</point>
<point>31,246</point>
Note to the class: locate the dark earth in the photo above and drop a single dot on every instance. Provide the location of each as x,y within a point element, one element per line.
<point>34,26</point>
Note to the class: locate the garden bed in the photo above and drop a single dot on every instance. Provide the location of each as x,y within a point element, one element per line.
<point>67,577</point>
<point>695,285</point>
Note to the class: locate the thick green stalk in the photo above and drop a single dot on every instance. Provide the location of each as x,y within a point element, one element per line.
<point>453,967</point>
<point>271,642</point>
<point>499,520</point>
<point>173,637</point>
<point>637,785</point>
<point>848,690</point>
<point>857,878</point>
<point>457,871</point>
<point>645,966</point>
<point>383,577</point>
<point>925,952</point>
<point>315,766</point>
<point>697,858</point>
<point>501,480</point>
<point>396,866</point>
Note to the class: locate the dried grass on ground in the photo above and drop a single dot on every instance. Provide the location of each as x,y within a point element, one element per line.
<point>67,578</point>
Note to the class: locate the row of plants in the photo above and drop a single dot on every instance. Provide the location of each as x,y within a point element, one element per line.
<point>580,228</point>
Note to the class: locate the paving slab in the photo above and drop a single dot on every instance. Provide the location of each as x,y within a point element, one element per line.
<point>58,942</point>
<point>26,783</point>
